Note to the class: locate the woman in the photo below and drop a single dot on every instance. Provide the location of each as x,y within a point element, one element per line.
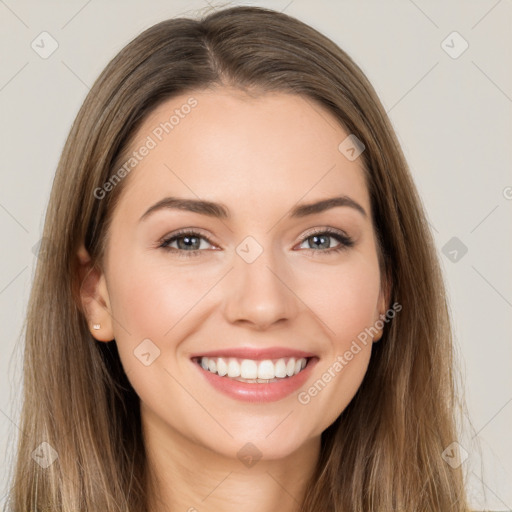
<point>243,304</point>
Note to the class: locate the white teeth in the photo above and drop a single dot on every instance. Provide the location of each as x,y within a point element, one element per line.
<point>280,368</point>
<point>212,365</point>
<point>222,367</point>
<point>233,368</point>
<point>253,371</point>
<point>249,369</point>
<point>290,367</point>
<point>266,370</point>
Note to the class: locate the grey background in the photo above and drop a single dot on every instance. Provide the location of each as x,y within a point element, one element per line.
<point>453,119</point>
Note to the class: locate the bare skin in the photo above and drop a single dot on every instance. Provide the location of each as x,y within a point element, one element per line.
<point>260,157</point>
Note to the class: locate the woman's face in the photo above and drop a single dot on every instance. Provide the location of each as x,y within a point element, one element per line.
<point>262,285</point>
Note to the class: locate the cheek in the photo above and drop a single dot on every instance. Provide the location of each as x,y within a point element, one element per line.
<point>353,307</point>
<point>149,299</point>
<point>154,302</point>
<point>344,297</point>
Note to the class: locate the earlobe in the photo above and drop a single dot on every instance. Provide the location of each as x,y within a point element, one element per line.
<point>94,297</point>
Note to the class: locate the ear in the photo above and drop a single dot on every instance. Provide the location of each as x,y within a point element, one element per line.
<point>94,297</point>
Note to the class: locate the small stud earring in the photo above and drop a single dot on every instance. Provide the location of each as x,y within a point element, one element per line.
<point>96,327</point>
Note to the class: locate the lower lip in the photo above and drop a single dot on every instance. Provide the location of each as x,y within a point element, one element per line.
<point>254,392</point>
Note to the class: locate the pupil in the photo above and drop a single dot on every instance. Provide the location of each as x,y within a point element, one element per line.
<point>316,238</point>
<point>189,241</point>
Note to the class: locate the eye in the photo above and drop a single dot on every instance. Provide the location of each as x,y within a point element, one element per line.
<point>321,238</point>
<point>188,243</point>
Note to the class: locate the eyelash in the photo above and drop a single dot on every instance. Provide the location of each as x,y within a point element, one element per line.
<point>345,242</point>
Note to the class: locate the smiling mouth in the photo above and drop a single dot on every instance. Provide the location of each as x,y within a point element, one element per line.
<point>253,371</point>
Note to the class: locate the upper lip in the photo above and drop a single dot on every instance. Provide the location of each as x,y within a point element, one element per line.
<point>255,353</point>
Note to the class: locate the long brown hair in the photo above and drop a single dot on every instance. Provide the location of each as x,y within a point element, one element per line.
<point>383,453</point>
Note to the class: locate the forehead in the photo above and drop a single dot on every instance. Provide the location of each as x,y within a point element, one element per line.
<point>269,150</point>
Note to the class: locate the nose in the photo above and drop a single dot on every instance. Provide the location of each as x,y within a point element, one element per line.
<point>260,293</point>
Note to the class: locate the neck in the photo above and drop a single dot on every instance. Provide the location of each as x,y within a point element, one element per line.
<point>188,477</point>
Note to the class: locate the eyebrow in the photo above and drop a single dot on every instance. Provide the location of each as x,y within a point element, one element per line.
<point>220,211</point>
